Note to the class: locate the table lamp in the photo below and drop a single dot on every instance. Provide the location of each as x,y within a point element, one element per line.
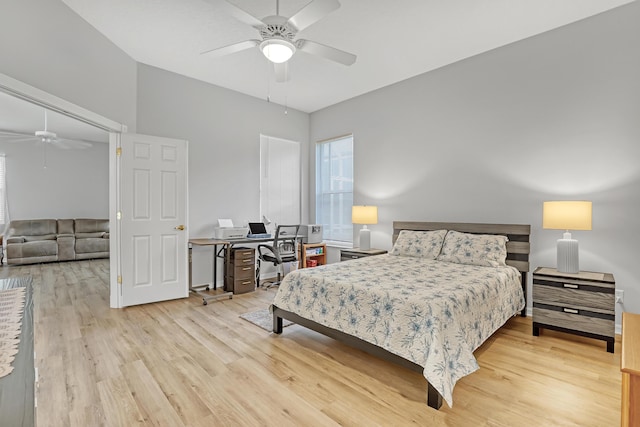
<point>364,215</point>
<point>567,215</point>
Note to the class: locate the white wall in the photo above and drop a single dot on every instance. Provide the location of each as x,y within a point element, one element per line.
<point>488,139</point>
<point>45,44</point>
<point>223,128</point>
<point>75,183</point>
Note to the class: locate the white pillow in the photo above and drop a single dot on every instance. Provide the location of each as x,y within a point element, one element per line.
<point>488,250</point>
<point>420,244</point>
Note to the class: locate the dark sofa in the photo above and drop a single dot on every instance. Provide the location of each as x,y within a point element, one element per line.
<point>46,240</point>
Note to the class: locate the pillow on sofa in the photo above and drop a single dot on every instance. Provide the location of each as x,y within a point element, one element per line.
<point>421,244</point>
<point>487,250</point>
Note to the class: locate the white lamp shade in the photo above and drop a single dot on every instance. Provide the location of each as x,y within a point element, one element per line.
<point>364,214</point>
<point>277,50</point>
<point>567,215</point>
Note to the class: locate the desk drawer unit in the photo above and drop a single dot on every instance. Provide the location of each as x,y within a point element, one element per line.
<point>581,303</point>
<point>241,274</point>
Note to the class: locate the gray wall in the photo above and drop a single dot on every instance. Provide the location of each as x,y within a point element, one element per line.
<point>75,183</point>
<point>488,139</point>
<point>45,44</point>
<point>223,128</point>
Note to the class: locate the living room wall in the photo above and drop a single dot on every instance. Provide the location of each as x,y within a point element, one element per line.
<point>489,138</point>
<point>75,183</point>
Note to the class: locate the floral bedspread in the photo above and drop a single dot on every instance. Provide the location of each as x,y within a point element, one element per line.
<point>433,313</point>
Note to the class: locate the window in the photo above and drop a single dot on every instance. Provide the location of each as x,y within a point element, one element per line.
<point>279,180</point>
<point>334,188</point>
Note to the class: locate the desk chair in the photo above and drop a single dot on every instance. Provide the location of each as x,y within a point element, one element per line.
<point>284,249</point>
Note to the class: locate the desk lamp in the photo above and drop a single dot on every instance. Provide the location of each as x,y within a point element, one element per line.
<point>567,215</point>
<point>364,215</point>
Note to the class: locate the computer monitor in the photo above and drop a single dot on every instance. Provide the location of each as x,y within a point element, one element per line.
<point>257,228</point>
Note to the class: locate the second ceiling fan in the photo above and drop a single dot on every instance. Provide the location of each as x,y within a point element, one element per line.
<point>278,35</point>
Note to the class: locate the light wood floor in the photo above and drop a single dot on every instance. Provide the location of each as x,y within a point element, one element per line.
<point>180,363</point>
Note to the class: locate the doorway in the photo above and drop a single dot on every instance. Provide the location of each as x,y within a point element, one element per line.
<point>32,95</point>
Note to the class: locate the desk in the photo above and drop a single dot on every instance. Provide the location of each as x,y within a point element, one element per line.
<point>214,282</point>
<point>226,246</point>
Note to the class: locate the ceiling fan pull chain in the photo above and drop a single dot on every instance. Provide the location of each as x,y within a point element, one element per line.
<point>44,155</point>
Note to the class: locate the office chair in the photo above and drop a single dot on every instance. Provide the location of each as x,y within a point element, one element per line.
<point>284,249</point>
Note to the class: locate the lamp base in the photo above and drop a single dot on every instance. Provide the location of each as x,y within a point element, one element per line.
<point>365,238</point>
<point>567,256</point>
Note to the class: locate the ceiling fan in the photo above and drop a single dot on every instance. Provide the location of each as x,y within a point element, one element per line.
<point>45,137</point>
<point>278,35</point>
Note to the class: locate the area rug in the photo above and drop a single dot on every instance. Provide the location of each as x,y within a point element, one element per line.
<point>11,309</point>
<point>263,318</point>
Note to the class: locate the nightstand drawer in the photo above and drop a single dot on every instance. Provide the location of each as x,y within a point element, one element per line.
<point>577,320</point>
<point>355,253</point>
<point>347,257</point>
<point>575,296</point>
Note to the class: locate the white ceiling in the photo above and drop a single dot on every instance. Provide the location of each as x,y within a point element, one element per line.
<point>394,40</point>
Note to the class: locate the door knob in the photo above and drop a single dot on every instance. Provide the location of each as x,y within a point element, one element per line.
<point>179,227</point>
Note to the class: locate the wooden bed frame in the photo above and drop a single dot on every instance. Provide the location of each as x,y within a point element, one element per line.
<point>517,256</point>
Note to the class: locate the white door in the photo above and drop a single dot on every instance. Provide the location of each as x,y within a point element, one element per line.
<point>153,235</point>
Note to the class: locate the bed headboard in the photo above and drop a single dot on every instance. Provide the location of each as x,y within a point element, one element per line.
<point>517,247</point>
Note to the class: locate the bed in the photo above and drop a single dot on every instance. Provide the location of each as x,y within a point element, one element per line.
<point>427,305</point>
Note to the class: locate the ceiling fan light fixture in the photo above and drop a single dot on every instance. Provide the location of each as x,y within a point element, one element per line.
<point>277,50</point>
<point>46,136</point>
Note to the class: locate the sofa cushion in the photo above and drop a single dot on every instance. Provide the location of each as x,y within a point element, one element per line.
<point>39,249</point>
<point>39,238</point>
<point>92,245</point>
<point>96,235</point>
<point>65,226</point>
<point>33,227</point>
<point>83,225</point>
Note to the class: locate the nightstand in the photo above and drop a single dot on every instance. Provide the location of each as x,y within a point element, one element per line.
<point>582,303</point>
<point>355,253</point>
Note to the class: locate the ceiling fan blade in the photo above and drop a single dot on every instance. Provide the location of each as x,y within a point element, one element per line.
<point>327,52</point>
<point>71,143</point>
<point>19,139</point>
<point>13,137</point>
<point>281,71</point>
<point>312,13</point>
<point>9,133</point>
<point>236,12</point>
<point>232,48</point>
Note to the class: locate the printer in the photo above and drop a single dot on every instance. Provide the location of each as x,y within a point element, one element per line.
<point>311,233</point>
<point>226,230</point>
